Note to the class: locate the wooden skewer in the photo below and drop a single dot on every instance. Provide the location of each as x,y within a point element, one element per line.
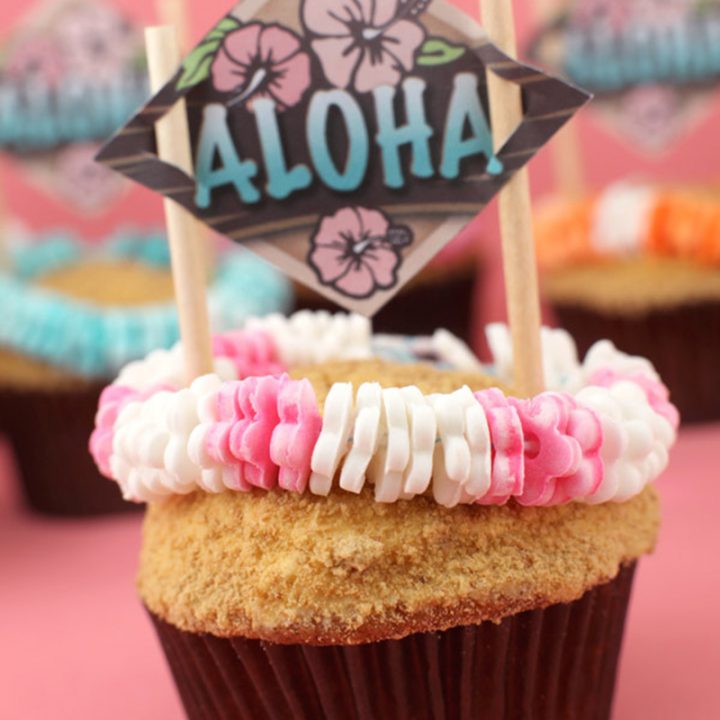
<point>176,13</point>
<point>520,267</point>
<point>186,246</point>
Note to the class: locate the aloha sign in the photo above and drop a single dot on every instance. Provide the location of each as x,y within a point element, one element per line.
<point>345,140</point>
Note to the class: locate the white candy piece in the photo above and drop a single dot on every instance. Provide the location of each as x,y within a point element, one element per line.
<point>456,353</point>
<point>635,440</point>
<point>560,360</point>
<point>333,441</point>
<point>365,437</point>
<point>603,355</point>
<point>477,434</point>
<point>393,455</point>
<point>312,337</point>
<point>446,491</point>
<point>422,427</point>
<point>450,413</point>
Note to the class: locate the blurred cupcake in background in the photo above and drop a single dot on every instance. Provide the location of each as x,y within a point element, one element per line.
<point>72,316</point>
<point>640,265</point>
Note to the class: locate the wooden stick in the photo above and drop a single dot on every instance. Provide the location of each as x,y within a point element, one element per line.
<point>175,13</point>
<point>565,148</point>
<point>520,267</point>
<point>186,251</point>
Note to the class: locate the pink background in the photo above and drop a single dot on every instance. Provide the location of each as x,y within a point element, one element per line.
<point>74,642</point>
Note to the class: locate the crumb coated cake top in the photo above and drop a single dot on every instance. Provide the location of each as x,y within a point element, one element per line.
<point>344,569</point>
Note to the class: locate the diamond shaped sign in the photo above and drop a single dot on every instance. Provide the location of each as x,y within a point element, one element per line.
<point>346,141</point>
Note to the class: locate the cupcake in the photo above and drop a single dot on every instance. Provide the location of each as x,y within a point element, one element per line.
<point>72,318</point>
<point>640,265</point>
<point>334,534</point>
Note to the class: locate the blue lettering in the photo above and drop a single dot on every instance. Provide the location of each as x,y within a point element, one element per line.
<point>466,108</point>
<point>352,175</point>
<point>215,138</point>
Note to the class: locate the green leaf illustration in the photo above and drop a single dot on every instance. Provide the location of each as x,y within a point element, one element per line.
<point>196,67</point>
<point>225,26</point>
<point>438,51</point>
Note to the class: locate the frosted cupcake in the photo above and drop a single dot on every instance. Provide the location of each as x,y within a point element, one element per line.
<point>71,318</point>
<point>333,534</point>
<point>641,266</point>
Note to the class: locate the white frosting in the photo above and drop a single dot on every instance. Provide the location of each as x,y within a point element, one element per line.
<point>621,218</point>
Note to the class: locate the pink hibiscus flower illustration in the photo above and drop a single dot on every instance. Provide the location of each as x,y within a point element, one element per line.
<point>98,43</point>
<point>36,59</point>
<point>364,43</point>
<point>262,61</point>
<point>357,251</point>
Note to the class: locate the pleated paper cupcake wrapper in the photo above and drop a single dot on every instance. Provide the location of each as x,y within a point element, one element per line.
<point>683,343</point>
<point>554,664</point>
<point>49,431</point>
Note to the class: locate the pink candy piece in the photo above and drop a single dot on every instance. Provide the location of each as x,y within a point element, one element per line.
<point>253,352</point>
<point>250,439</point>
<point>657,393</point>
<point>112,401</point>
<point>218,437</point>
<point>585,427</point>
<point>295,436</point>
<point>266,431</point>
<point>562,444</point>
<point>507,477</point>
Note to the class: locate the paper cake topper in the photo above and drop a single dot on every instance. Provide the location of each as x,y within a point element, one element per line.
<point>346,141</point>
<point>651,64</point>
<point>72,72</point>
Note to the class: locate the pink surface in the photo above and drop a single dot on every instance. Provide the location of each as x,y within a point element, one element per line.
<point>76,644</point>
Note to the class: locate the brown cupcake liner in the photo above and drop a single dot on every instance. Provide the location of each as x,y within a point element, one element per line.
<point>683,344</point>
<point>49,431</point>
<point>558,663</point>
